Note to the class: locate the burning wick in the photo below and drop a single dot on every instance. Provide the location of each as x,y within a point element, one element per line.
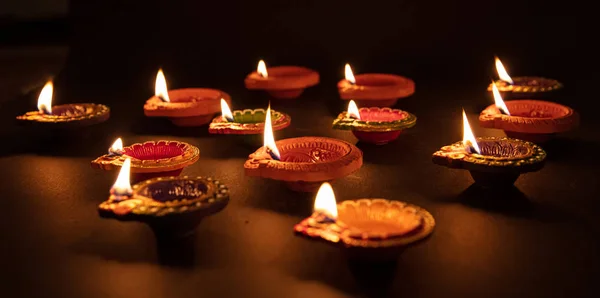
<point>262,69</point>
<point>45,99</point>
<point>325,207</point>
<point>160,87</point>
<point>468,138</point>
<point>225,111</point>
<point>502,74</point>
<point>349,75</point>
<point>353,110</point>
<point>121,190</point>
<point>116,148</point>
<point>498,100</point>
<point>269,139</point>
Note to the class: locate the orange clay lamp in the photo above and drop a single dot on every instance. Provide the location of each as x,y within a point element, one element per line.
<point>283,82</point>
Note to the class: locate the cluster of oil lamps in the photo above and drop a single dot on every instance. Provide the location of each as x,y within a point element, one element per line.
<point>174,204</point>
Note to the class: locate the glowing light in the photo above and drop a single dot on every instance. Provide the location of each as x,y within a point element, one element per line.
<point>116,148</point>
<point>349,74</point>
<point>353,110</point>
<point>122,187</point>
<point>498,100</point>
<point>269,139</point>
<point>468,137</point>
<point>262,69</point>
<point>160,87</point>
<point>502,74</point>
<point>225,111</point>
<point>44,102</point>
<point>325,201</point>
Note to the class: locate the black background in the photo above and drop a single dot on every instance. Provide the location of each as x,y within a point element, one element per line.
<point>537,240</point>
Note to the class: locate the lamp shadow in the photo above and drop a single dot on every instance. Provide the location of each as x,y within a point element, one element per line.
<point>299,204</point>
<point>396,152</point>
<point>374,279</point>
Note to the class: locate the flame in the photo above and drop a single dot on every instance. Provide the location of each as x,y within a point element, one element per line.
<point>160,87</point>
<point>262,69</point>
<point>498,99</point>
<point>353,110</point>
<point>44,103</point>
<point>502,71</point>
<point>122,185</point>
<point>468,137</point>
<point>348,74</point>
<point>325,201</point>
<point>225,111</point>
<point>116,147</point>
<point>269,139</point>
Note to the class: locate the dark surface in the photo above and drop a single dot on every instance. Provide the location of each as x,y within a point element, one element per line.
<point>539,239</point>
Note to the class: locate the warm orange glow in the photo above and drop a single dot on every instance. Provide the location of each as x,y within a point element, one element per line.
<point>225,111</point>
<point>502,74</point>
<point>269,139</point>
<point>44,103</point>
<point>122,185</point>
<point>325,201</point>
<point>353,110</point>
<point>349,74</point>
<point>117,147</point>
<point>498,99</point>
<point>468,137</point>
<point>160,87</point>
<point>262,69</point>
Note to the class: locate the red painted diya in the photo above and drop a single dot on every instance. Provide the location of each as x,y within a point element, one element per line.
<point>64,116</point>
<point>306,162</point>
<point>284,82</point>
<point>374,125</point>
<point>150,159</point>
<point>184,107</point>
<point>523,87</point>
<point>375,89</point>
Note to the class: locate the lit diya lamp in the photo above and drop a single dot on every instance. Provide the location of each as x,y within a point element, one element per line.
<point>249,124</point>
<point>171,206</point>
<point>64,116</point>
<point>184,107</point>
<point>523,87</point>
<point>532,120</point>
<point>374,125</point>
<point>150,159</point>
<point>492,161</point>
<point>366,228</point>
<point>284,82</point>
<point>303,163</point>
<point>374,89</point>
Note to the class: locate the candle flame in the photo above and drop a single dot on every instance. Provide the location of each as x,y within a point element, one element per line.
<point>349,74</point>
<point>225,111</point>
<point>117,146</point>
<point>468,137</point>
<point>353,110</point>
<point>498,100</point>
<point>325,201</point>
<point>160,87</point>
<point>502,74</point>
<point>262,69</point>
<point>269,139</point>
<point>122,187</point>
<point>44,103</point>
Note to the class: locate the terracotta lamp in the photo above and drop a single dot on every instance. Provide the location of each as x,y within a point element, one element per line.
<point>64,116</point>
<point>531,120</point>
<point>523,87</point>
<point>374,125</point>
<point>248,124</point>
<point>492,161</point>
<point>303,163</point>
<point>171,206</point>
<point>284,82</point>
<point>150,159</point>
<point>184,107</point>
<point>366,228</point>
<point>374,89</point>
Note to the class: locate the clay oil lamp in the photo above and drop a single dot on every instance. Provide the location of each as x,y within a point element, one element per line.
<point>374,89</point>
<point>374,125</point>
<point>523,87</point>
<point>171,206</point>
<point>492,161</point>
<point>150,159</point>
<point>184,107</point>
<point>64,116</point>
<point>302,163</point>
<point>366,228</point>
<point>283,82</point>
<point>248,124</point>
<point>531,120</point>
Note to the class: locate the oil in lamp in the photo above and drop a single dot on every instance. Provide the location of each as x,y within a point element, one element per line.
<point>366,228</point>
<point>283,82</point>
<point>374,125</point>
<point>532,120</point>
<point>184,107</point>
<point>249,124</point>
<point>523,87</point>
<point>66,115</point>
<point>303,163</point>
<point>150,159</point>
<point>492,161</point>
<point>374,89</point>
<point>171,206</point>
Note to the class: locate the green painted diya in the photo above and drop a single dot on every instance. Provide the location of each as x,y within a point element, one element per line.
<point>500,161</point>
<point>249,124</point>
<point>376,125</point>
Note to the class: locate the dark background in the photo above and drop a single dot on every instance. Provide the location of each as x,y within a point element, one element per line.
<point>539,239</point>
